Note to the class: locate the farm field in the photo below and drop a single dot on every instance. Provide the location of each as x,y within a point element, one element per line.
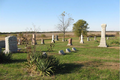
<point>89,62</point>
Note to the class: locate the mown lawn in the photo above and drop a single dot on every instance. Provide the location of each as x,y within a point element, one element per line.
<point>89,62</point>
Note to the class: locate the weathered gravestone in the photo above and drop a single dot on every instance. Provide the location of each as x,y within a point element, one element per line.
<point>81,41</point>
<point>19,41</point>
<point>94,37</point>
<point>10,44</point>
<point>44,54</point>
<point>73,49</point>
<point>68,50</point>
<point>53,41</point>
<point>69,42</point>
<point>2,44</point>
<point>88,39</point>
<point>61,52</point>
<point>103,40</point>
<point>107,38</point>
<point>56,38</point>
<point>42,41</point>
<point>34,40</point>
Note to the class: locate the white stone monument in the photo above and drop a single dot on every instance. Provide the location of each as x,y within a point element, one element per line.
<point>81,41</point>
<point>34,40</point>
<point>103,39</point>
<point>42,41</point>
<point>88,39</point>
<point>53,41</point>
<point>56,38</point>
<point>94,37</point>
<point>10,44</point>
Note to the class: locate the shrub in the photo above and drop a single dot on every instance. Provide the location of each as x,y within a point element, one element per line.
<point>43,35</point>
<point>5,57</point>
<point>61,35</point>
<point>38,64</point>
<point>114,42</point>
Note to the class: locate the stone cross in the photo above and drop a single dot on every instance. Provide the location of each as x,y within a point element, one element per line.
<point>53,41</point>
<point>56,38</point>
<point>69,41</point>
<point>42,41</point>
<point>10,44</point>
<point>34,40</point>
<point>88,39</point>
<point>103,40</point>
<point>81,41</point>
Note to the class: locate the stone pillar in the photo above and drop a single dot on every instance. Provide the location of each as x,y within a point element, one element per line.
<point>88,39</point>
<point>56,38</point>
<point>53,41</point>
<point>69,42</point>
<point>19,41</point>
<point>81,41</point>
<point>42,41</point>
<point>103,40</point>
<point>34,40</point>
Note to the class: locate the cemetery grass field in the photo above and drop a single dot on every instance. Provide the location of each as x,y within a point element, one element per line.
<point>89,62</point>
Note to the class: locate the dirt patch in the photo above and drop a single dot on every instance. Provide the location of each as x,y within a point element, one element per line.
<point>114,47</point>
<point>99,65</point>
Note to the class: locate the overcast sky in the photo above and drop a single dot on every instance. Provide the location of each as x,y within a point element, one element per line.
<point>19,15</point>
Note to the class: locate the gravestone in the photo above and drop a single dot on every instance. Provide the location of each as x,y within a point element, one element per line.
<point>10,44</point>
<point>34,39</point>
<point>56,38</point>
<point>88,39</point>
<point>19,41</point>
<point>63,39</point>
<point>69,42</point>
<point>2,44</point>
<point>68,50</point>
<point>94,37</point>
<point>73,49</point>
<point>81,41</point>
<point>44,54</point>
<point>61,52</point>
<point>103,39</point>
<point>107,38</point>
<point>53,41</point>
<point>42,41</point>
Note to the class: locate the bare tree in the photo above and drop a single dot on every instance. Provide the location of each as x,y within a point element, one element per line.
<point>64,23</point>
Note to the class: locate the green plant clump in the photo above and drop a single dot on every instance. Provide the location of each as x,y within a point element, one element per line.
<point>5,57</point>
<point>42,65</point>
<point>114,42</point>
<point>43,35</point>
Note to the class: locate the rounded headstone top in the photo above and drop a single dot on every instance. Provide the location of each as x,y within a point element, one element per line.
<point>103,25</point>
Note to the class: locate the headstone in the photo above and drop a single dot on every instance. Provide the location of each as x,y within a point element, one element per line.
<point>56,38</point>
<point>42,41</point>
<point>94,37</point>
<point>34,40</point>
<point>63,39</point>
<point>61,52</point>
<point>10,44</point>
<point>73,49</point>
<point>103,40</point>
<point>68,50</point>
<point>2,44</point>
<point>88,39</point>
<point>44,54</point>
<point>69,42</point>
<point>81,41</point>
<point>53,41</point>
<point>107,38</point>
<point>19,41</point>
